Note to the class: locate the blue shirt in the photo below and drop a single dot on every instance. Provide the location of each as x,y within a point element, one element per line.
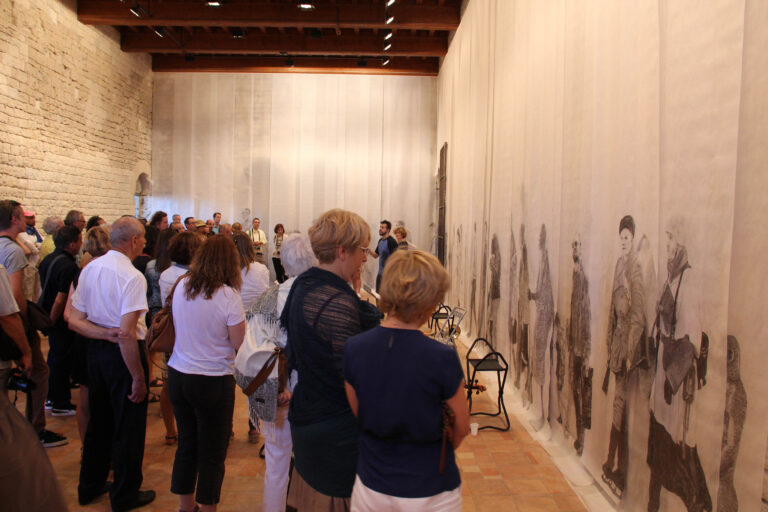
<point>384,249</point>
<point>401,378</point>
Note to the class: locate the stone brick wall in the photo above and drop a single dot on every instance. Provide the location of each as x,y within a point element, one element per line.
<point>75,112</point>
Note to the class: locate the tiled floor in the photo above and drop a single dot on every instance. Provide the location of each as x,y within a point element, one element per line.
<point>501,471</point>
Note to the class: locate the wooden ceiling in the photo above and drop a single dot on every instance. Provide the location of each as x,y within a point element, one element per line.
<point>335,36</point>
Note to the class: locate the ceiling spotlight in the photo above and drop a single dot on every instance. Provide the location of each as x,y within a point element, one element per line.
<point>135,10</point>
<point>390,3</point>
<point>238,33</point>
<point>390,20</point>
<point>388,36</point>
<point>306,6</point>
<point>213,3</point>
<point>387,47</point>
<point>160,32</point>
<point>385,62</point>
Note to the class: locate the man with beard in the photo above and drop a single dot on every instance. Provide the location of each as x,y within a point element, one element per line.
<point>384,249</point>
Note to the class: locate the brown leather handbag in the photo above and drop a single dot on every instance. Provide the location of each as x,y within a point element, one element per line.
<point>161,334</point>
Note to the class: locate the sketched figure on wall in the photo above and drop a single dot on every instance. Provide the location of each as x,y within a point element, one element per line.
<point>579,347</point>
<point>681,362</point>
<point>523,316</point>
<point>626,328</point>
<point>545,311</point>
<point>474,325</point>
<point>513,283</point>
<point>494,291</point>
<point>733,424</point>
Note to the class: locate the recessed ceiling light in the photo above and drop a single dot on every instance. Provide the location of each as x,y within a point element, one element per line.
<point>388,46</point>
<point>390,20</point>
<point>388,36</point>
<point>306,6</point>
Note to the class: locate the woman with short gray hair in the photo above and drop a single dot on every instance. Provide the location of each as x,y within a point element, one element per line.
<point>263,323</point>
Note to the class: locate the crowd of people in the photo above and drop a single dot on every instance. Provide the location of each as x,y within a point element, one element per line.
<point>344,394</point>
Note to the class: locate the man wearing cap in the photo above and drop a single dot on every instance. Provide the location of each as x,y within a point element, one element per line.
<point>258,238</point>
<point>202,227</point>
<point>12,258</point>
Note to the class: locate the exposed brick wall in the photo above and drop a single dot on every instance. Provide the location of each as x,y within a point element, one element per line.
<point>75,112</point>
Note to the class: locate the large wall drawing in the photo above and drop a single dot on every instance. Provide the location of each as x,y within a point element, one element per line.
<point>607,178</point>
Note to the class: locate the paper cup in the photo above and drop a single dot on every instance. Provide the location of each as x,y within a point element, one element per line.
<point>473,427</point>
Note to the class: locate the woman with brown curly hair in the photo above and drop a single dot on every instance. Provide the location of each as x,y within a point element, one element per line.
<point>209,321</point>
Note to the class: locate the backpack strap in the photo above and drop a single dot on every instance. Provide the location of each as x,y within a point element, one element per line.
<point>265,372</point>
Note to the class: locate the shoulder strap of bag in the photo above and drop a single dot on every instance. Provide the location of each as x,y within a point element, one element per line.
<point>169,298</point>
<point>264,373</point>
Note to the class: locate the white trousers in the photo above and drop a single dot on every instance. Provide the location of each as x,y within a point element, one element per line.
<point>277,454</point>
<point>368,500</point>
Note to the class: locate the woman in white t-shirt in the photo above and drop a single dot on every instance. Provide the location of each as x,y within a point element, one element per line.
<point>209,321</point>
<point>255,275</point>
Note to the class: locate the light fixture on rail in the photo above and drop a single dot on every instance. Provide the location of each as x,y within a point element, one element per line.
<point>160,31</point>
<point>385,61</point>
<point>387,47</point>
<point>213,3</point>
<point>388,36</point>
<point>135,10</point>
<point>390,3</point>
<point>306,6</point>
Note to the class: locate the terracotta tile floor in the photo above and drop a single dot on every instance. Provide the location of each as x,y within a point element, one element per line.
<point>501,471</point>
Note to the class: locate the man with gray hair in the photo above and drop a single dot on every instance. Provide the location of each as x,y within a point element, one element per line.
<point>109,306</point>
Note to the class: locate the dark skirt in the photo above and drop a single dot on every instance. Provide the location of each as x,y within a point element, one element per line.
<point>325,454</point>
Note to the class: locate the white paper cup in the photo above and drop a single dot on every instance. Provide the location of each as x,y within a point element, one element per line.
<point>473,427</point>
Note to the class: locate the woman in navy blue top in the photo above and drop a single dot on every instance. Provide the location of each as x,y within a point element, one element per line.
<point>397,381</point>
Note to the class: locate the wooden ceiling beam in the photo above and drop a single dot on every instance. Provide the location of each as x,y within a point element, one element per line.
<point>247,14</point>
<point>178,63</point>
<point>276,44</point>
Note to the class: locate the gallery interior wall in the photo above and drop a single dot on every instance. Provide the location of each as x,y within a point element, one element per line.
<point>287,147</point>
<point>75,112</point>
<point>561,119</point>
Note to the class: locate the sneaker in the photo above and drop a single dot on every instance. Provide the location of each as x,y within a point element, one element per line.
<point>51,439</point>
<point>67,410</point>
<point>48,405</point>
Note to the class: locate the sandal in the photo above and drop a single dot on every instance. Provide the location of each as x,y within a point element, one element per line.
<point>153,398</point>
<point>171,439</point>
<point>156,383</point>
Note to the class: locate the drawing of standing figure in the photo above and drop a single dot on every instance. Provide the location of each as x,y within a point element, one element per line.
<point>579,346</point>
<point>681,363</point>
<point>626,329</point>
<point>733,424</point>
<point>523,313</point>
<point>494,292</point>
<point>545,311</point>
<point>513,284</point>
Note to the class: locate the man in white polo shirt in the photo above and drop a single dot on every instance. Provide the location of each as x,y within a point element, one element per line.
<point>109,306</point>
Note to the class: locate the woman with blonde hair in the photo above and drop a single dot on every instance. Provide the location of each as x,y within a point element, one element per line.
<point>321,313</point>
<point>399,400</point>
<point>209,321</point>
